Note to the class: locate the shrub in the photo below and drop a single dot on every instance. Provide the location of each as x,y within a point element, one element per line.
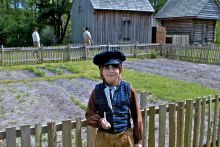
<point>47,36</point>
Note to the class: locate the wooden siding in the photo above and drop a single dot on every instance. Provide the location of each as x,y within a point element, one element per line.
<point>179,27</point>
<point>199,31</point>
<point>110,26</point>
<point>204,31</point>
<point>81,16</point>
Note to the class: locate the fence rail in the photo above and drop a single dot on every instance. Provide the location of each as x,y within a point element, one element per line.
<point>185,124</point>
<point>202,54</point>
<point>22,55</point>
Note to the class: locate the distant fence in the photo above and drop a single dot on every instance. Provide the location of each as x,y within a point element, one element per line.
<point>27,55</point>
<point>22,55</point>
<point>184,124</point>
<point>202,54</point>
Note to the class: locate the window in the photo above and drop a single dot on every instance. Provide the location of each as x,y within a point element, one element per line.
<point>80,9</point>
<point>126,30</point>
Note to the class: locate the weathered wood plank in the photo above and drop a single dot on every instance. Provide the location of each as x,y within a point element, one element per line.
<point>151,135</point>
<point>11,137</point>
<point>38,135</point>
<point>180,124</point>
<point>202,130</point>
<point>172,125</point>
<point>78,132</point>
<point>208,141</point>
<point>52,135</point>
<point>66,133</point>
<point>188,124</point>
<point>145,122</point>
<point>91,135</point>
<point>215,122</point>
<point>162,125</point>
<point>197,116</point>
<point>25,136</point>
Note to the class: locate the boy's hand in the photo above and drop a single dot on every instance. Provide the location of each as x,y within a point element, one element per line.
<point>138,145</point>
<point>105,124</point>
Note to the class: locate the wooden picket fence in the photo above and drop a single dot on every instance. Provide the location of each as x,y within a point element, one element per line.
<point>185,124</point>
<point>202,54</point>
<point>45,54</point>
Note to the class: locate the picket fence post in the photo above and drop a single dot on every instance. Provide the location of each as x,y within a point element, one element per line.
<point>2,55</point>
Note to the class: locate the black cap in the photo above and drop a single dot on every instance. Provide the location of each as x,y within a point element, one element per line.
<point>109,57</point>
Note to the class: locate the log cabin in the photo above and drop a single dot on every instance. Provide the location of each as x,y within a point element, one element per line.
<point>196,18</point>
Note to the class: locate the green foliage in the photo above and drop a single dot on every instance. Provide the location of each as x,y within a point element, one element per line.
<point>217,40</point>
<point>18,18</point>
<point>37,71</point>
<point>159,5</point>
<point>167,88</point>
<point>47,36</point>
<point>160,87</point>
<point>16,29</point>
<point>54,70</point>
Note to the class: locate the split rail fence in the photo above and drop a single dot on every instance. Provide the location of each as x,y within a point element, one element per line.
<point>184,124</point>
<point>27,55</point>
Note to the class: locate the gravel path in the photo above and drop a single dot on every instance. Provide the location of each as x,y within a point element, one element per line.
<point>207,75</point>
<point>43,101</point>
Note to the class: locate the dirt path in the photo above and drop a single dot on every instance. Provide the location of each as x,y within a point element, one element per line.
<point>42,101</point>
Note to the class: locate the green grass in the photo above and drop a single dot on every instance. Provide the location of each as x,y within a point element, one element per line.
<point>78,103</point>
<point>217,41</point>
<point>161,87</point>
<point>167,88</point>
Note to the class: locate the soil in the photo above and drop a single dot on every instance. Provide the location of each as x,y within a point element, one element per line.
<point>43,101</point>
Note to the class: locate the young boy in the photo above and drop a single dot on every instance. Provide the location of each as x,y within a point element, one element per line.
<point>112,104</point>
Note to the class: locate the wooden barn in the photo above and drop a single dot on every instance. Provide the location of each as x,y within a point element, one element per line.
<point>112,21</point>
<point>196,18</point>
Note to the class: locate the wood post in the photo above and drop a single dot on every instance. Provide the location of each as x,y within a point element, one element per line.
<point>38,135</point>
<point>86,52</point>
<point>91,135</point>
<point>145,123</point>
<point>143,100</point>
<point>68,52</point>
<point>135,49</point>
<point>108,47</point>
<point>52,135</point>
<point>25,136</point>
<point>11,137</point>
<point>66,133</point>
<point>2,55</point>
<point>41,54</point>
<point>78,132</point>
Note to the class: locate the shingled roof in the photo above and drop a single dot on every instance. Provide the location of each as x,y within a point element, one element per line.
<point>204,9</point>
<point>128,5</point>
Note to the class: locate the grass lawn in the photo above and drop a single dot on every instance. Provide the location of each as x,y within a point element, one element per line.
<point>165,88</point>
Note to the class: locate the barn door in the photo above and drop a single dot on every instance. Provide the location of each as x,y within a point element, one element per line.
<point>204,33</point>
<point>125,31</point>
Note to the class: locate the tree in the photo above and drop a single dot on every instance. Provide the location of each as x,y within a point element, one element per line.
<point>56,14</point>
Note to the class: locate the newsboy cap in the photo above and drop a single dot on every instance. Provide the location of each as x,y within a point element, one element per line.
<point>109,57</point>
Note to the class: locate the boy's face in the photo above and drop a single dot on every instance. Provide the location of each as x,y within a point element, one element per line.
<point>111,74</point>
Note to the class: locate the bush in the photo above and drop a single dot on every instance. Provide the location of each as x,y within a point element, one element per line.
<point>47,36</point>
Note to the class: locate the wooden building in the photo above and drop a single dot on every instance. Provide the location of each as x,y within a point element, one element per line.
<point>112,21</point>
<point>196,18</point>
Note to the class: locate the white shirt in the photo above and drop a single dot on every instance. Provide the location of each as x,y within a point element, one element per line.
<point>87,35</point>
<point>35,36</point>
<point>109,92</point>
